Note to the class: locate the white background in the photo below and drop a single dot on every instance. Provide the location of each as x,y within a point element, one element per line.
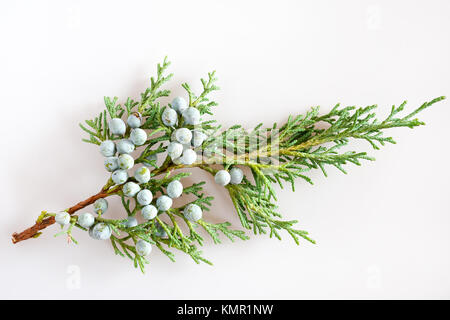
<point>382,231</point>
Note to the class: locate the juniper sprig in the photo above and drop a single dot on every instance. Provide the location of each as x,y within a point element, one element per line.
<point>248,163</point>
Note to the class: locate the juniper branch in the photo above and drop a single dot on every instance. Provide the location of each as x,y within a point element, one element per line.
<point>273,155</point>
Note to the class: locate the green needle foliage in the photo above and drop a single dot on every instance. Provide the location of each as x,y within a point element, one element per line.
<point>269,156</point>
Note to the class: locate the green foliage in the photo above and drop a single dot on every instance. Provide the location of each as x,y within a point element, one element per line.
<point>115,110</point>
<point>271,156</point>
<point>98,129</point>
<point>290,151</point>
<point>149,104</point>
<point>202,102</point>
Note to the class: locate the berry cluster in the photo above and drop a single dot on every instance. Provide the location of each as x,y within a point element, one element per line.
<point>119,161</point>
<point>178,132</point>
<point>183,140</point>
<point>223,177</point>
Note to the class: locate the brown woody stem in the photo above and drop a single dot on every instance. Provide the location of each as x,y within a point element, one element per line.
<point>34,230</point>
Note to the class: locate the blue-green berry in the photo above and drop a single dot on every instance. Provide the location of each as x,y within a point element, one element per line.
<point>179,104</point>
<point>130,189</point>
<point>163,203</point>
<point>149,212</point>
<point>91,232</point>
<point>62,218</point>
<point>191,116</point>
<point>144,197</point>
<point>172,136</point>
<point>153,158</point>
<point>117,126</point>
<point>169,117</point>
<point>236,175</point>
<point>189,157</point>
<point>100,231</point>
<point>159,230</point>
<point>222,177</point>
<point>198,138</point>
<point>126,161</point>
<point>143,248</point>
<point>119,176</point>
<point>142,175</point>
<point>107,148</point>
<point>134,121</point>
<point>175,150</point>
<point>130,222</point>
<point>138,136</point>
<point>111,164</point>
<point>86,220</point>
<point>174,189</point>
<point>100,206</point>
<point>125,146</point>
<point>183,135</point>
<point>192,212</point>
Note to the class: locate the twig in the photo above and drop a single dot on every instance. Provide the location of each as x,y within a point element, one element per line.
<point>33,231</point>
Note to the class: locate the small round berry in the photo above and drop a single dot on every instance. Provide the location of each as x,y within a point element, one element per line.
<point>174,189</point>
<point>91,232</point>
<point>130,222</point>
<point>149,212</point>
<point>179,104</point>
<point>198,138</point>
<point>142,175</point>
<point>100,231</point>
<point>130,189</point>
<point>143,248</point>
<point>125,146</point>
<point>107,148</point>
<point>160,232</point>
<point>163,203</point>
<point>189,157</point>
<point>183,135</point>
<point>172,136</point>
<point>126,161</point>
<point>236,175</point>
<point>134,121</point>
<point>111,164</point>
<point>175,150</point>
<point>100,206</point>
<point>119,176</point>
<point>62,218</point>
<point>153,158</point>
<point>169,117</point>
<point>191,116</point>
<point>117,126</point>
<point>144,197</point>
<point>192,212</point>
<point>86,220</point>
<point>138,136</point>
<point>222,177</point>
